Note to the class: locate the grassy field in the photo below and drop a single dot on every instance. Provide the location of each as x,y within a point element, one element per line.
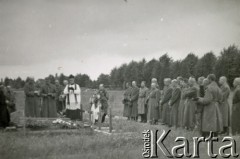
<point>90,145</point>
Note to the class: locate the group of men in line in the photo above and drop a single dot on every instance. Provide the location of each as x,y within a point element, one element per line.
<point>194,105</point>
<point>51,100</point>
<point>7,105</point>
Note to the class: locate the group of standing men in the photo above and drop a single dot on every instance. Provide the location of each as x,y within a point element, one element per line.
<point>50,100</point>
<point>193,105</point>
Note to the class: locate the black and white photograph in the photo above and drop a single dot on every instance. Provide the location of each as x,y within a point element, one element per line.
<point>119,79</point>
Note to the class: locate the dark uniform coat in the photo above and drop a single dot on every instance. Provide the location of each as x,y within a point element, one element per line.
<point>189,118</point>
<point>174,104</point>
<point>32,101</point>
<point>211,117</point>
<point>134,102</point>
<point>181,107</point>
<point>224,106</point>
<point>49,108</point>
<point>236,112</point>
<point>153,104</point>
<point>126,102</point>
<point>167,94</point>
<point>59,100</point>
<point>142,100</point>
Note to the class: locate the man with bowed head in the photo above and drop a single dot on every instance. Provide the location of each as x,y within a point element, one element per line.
<point>211,115</point>
<point>189,119</point>
<point>174,103</point>
<point>236,107</point>
<point>224,105</point>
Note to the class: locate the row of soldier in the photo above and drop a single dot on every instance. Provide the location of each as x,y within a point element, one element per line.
<point>52,100</point>
<point>186,103</point>
<point>43,99</point>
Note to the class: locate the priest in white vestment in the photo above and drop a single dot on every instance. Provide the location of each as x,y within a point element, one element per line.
<point>72,92</point>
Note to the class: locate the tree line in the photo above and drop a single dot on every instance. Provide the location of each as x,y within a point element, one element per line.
<point>227,64</point>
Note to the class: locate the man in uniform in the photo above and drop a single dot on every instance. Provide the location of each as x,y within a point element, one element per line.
<point>167,94</point>
<point>211,117</point>
<point>142,102</point>
<point>224,105</point>
<point>134,101</point>
<point>59,92</point>
<point>126,101</point>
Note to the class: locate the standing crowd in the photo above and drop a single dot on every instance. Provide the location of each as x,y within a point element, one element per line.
<point>201,105</point>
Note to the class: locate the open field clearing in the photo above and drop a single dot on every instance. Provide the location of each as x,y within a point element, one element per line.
<point>92,145</point>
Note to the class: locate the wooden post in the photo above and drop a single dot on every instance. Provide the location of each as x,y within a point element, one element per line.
<point>24,122</point>
<point>110,113</point>
<point>99,120</point>
<point>90,117</point>
<point>81,112</point>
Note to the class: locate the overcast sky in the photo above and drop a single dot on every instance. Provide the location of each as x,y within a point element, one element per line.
<point>42,37</point>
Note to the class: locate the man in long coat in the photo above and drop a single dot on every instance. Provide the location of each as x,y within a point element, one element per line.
<point>142,102</point>
<point>211,117</point>
<point>126,101</point>
<point>189,118</point>
<point>72,92</point>
<point>153,104</point>
<point>32,95</point>
<point>167,94</point>
<point>184,87</point>
<point>134,101</point>
<point>154,80</point>
<point>201,92</point>
<point>59,100</point>
<point>48,92</point>
<point>224,105</point>
<point>236,107</point>
<point>174,103</point>
<point>104,97</point>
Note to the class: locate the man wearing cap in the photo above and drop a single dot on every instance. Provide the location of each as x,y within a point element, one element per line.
<point>73,99</point>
